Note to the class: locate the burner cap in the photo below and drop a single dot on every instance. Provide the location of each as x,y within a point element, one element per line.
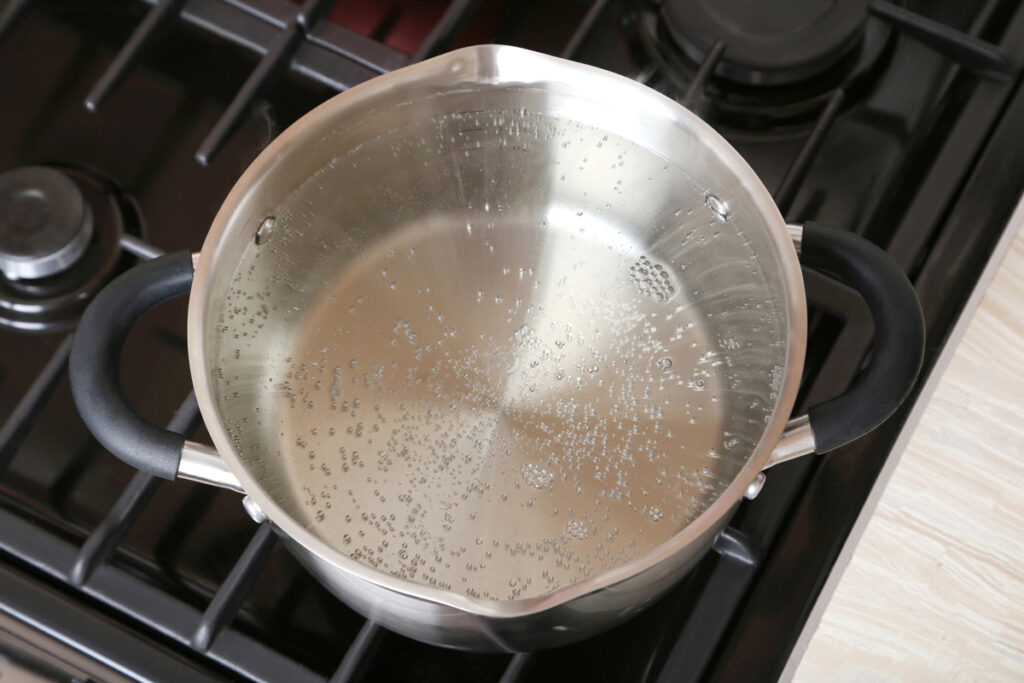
<point>767,43</point>
<point>45,224</point>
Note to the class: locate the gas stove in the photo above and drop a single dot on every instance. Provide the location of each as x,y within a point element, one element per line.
<point>124,125</point>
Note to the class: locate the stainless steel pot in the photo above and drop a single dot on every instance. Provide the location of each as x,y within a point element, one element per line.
<point>497,343</point>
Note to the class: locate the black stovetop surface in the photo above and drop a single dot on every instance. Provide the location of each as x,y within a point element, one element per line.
<point>920,154</point>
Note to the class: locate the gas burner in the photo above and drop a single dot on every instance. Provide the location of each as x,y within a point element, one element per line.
<point>767,43</point>
<point>60,232</point>
<point>773,64</point>
<point>45,223</point>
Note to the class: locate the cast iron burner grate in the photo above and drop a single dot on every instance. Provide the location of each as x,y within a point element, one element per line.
<point>173,581</point>
<point>765,65</point>
<point>774,43</point>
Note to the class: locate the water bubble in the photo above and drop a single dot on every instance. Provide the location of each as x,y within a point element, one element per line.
<point>651,279</point>
<point>577,529</point>
<point>536,476</point>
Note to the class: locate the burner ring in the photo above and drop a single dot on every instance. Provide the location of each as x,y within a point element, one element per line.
<point>662,65</point>
<point>54,302</point>
<point>767,43</point>
<point>45,223</point>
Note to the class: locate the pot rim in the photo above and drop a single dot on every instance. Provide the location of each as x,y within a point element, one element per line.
<point>500,65</point>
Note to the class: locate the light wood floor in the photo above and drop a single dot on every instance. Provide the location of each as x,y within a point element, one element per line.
<point>935,590</point>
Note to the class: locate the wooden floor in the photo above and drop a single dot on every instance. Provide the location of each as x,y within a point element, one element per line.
<point>935,590</point>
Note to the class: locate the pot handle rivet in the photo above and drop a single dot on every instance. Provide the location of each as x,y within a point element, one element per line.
<point>755,486</point>
<point>253,510</point>
<point>265,230</point>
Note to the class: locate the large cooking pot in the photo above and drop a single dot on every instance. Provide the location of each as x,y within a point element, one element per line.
<point>497,343</point>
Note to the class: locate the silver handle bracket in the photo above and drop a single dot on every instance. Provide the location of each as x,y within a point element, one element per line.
<point>202,464</point>
<point>796,234</point>
<point>797,440</point>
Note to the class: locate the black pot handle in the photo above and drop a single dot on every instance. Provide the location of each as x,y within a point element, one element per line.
<point>898,344</point>
<point>95,364</point>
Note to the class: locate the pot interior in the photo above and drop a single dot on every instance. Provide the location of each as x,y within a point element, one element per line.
<point>492,345</point>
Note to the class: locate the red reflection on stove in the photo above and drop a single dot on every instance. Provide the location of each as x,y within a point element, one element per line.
<point>404,24</point>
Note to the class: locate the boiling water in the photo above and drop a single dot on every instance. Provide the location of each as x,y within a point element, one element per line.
<point>500,398</point>
<point>501,429</point>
